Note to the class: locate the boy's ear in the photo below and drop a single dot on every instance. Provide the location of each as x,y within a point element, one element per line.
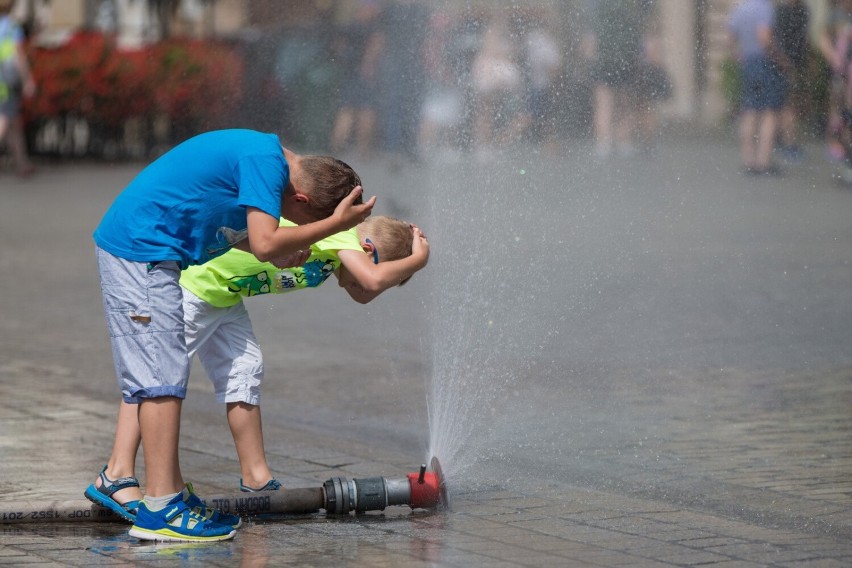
<point>368,247</point>
<point>300,197</point>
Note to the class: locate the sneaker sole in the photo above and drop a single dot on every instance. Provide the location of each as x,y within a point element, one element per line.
<point>166,535</point>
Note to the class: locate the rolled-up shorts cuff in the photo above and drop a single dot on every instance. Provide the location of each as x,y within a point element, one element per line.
<point>139,396</point>
<point>240,393</point>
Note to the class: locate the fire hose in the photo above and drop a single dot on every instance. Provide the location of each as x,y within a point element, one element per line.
<point>338,496</point>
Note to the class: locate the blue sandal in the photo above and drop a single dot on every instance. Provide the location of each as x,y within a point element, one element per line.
<point>271,485</point>
<point>103,495</point>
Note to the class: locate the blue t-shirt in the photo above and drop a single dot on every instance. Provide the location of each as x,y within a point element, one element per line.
<point>190,204</point>
<point>744,23</point>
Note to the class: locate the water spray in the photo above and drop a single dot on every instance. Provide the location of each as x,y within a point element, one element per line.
<point>423,489</point>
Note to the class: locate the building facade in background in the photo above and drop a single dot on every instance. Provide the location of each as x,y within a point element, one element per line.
<point>693,31</point>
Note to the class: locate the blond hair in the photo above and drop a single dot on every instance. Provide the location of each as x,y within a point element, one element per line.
<point>393,238</point>
<point>326,181</point>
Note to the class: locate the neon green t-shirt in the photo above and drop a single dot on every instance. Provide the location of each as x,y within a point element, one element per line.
<point>227,279</point>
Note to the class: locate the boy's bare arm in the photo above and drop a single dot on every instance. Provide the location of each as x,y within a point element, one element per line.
<point>372,279</point>
<point>268,241</point>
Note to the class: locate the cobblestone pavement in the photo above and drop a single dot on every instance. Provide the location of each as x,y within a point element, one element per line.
<point>668,424</point>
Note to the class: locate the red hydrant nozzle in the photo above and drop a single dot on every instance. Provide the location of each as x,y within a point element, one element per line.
<point>419,490</point>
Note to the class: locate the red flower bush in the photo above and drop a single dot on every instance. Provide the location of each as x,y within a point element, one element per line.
<point>189,81</point>
<point>195,81</point>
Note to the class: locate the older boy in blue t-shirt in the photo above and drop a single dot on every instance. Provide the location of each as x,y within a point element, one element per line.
<point>216,191</point>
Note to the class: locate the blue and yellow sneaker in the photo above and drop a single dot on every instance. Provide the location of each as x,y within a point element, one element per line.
<point>177,522</point>
<point>195,503</point>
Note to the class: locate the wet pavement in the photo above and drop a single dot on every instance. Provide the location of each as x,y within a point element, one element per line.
<point>665,381</point>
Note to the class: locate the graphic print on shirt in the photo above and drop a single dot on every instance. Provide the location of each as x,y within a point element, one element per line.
<point>311,275</point>
<point>251,285</point>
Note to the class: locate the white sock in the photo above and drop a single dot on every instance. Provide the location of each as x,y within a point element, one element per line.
<point>158,503</point>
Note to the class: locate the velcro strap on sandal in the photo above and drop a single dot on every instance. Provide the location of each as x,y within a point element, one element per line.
<point>110,486</point>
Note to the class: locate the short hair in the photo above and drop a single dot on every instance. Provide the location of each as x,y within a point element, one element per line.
<point>326,181</point>
<point>393,238</point>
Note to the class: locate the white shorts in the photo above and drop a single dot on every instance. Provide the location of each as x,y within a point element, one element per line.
<point>226,346</point>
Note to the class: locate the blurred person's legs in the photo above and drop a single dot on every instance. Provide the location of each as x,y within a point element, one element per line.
<point>483,125</point>
<point>647,121</point>
<point>516,118</point>
<point>542,120</point>
<point>441,117</point>
<point>748,132</point>
<point>653,86</point>
<point>834,124</point>
<point>342,128</point>
<point>401,116</point>
<point>624,120</point>
<point>789,128</point>
<point>757,140</point>
<point>763,97</point>
<point>604,108</point>
<point>364,131</point>
<point>768,127</point>
<point>844,142</point>
<point>12,134</point>
<point>795,106</point>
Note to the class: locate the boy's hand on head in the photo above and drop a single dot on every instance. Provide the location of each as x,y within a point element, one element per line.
<point>420,246</point>
<point>297,258</point>
<point>349,214</point>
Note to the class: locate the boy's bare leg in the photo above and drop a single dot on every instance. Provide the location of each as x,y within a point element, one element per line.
<point>159,422</point>
<point>245,423</point>
<point>125,446</point>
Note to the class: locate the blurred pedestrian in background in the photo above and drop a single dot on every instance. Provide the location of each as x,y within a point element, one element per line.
<point>498,102</point>
<point>835,44</point>
<point>653,84</point>
<point>543,69</point>
<point>16,81</point>
<point>359,50</point>
<point>613,44</point>
<point>443,105</point>
<point>791,36</point>
<point>750,27</point>
<point>404,26</point>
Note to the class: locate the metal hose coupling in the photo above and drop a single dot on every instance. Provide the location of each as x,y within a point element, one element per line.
<point>419,490</point>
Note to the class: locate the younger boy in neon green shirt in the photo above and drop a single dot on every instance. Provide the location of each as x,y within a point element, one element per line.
<point>379,253</point>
